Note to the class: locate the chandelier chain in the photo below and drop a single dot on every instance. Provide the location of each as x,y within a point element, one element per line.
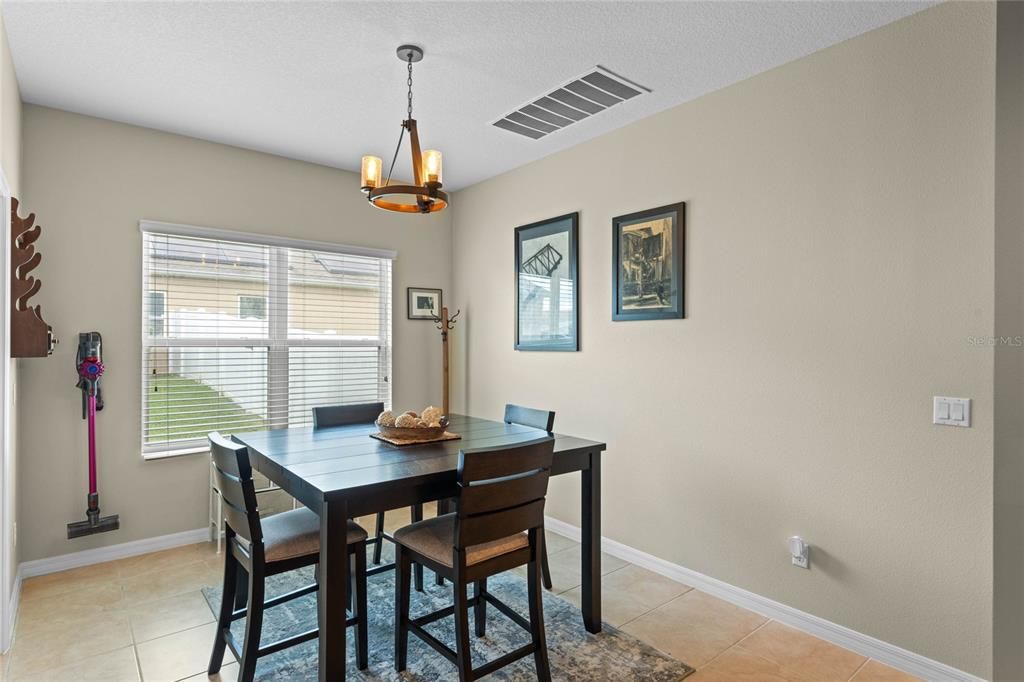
<point>401,134</point>
<point>409,83</point>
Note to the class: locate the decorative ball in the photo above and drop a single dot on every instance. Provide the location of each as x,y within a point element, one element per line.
<point>434,425</point>
<point>386,418</point>
<point>420,424</point>
<point>406,421</point>
<point>431,414</point>
<point>412,414</point>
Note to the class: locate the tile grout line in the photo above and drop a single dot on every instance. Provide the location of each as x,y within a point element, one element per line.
<point>737,643</point>
<point>675,598</point>
<point>859,668</point>
<point>124,609</point>
<point>138,662</point>
<point>631,620</point>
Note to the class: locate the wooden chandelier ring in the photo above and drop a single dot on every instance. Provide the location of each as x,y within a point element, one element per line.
<point>378,196</point>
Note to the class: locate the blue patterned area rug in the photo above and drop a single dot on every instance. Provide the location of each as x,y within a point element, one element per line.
<point>575,654</point>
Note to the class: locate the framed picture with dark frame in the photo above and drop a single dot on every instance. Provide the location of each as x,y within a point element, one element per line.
<point>648,264</point>
<point>424,304</point>
<point>547,285</point>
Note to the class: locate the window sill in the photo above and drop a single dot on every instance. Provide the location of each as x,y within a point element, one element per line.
<point>169,454</point>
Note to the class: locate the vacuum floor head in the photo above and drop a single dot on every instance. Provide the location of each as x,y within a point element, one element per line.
<point>92,525</point>
<point>79,529</point>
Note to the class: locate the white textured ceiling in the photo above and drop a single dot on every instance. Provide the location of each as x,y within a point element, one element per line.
<point>320,81</point>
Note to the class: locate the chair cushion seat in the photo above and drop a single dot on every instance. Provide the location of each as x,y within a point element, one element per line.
<point>435,539</point>
<point>296,533</point>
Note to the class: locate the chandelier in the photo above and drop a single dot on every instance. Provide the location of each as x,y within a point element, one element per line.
<point>424,195</point>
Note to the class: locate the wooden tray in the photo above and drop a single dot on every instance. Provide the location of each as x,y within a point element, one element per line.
<point>417,438</point>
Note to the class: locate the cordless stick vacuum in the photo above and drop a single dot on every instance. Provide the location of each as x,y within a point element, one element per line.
<point>89,364</point>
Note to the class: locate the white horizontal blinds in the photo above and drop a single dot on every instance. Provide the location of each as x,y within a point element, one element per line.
<point>240,336</point>
<point>338,310</point>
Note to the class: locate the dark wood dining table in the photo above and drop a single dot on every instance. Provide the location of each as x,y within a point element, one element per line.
<point>341,473</point>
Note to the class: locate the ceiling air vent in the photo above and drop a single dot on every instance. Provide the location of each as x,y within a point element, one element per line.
<point>581,97</point>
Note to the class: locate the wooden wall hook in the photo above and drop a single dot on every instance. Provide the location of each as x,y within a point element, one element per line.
<point>31,337</point>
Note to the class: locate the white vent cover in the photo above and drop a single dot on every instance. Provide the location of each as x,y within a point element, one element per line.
<point>587,95</point>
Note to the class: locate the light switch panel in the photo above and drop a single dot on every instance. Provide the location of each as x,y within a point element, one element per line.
<point>951,411</point>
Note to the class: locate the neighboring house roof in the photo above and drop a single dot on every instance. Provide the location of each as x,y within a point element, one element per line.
<point>202,259</point>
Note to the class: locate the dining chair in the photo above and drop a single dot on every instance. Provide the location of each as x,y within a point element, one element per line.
<point>365,413</point>
<point>259,548</point>
<point>529,416</point>
<point>538,419</point>
<point>497,525</point>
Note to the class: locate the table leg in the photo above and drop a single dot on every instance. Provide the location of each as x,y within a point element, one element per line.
<point>591,514</point>
<point>333,589</point>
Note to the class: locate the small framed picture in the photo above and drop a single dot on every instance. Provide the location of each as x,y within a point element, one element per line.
<point>647,264</point>
<point>424,304</point>
<point>547,285</point>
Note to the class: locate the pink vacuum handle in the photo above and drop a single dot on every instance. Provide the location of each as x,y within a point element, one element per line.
<point>92,442</point>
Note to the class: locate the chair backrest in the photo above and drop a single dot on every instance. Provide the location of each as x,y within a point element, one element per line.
<point>340,415</point>
<point>501,491</point>
<point>528,416</point>
<point>234,480</point>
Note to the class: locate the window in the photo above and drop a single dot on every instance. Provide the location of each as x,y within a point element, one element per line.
<point>243,333</point>
<point>252,306</point>
<point>156,312</point>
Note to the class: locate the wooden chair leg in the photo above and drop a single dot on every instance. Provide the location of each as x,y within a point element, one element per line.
<point>462,651</point>
<point>480,608</point>
<point>227,604</point>
<point>442,509</point>
<point>362,625</point>
<point>545,568</point>
<point>350,593</point>
<point>417,515</point>
<point>242,585</point>
<point>402,570</point>
<point>540,654</point>
<point>379,535</point>
<point>253,628</point>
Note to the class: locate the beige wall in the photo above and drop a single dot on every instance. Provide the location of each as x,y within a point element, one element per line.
<point>10,161</point>
<point>90,181</point>
<point>839,256</point>
<point>1009,355</point>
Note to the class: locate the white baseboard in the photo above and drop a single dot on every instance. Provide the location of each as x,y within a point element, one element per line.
<point>87,557</point>
<point>883,652</point>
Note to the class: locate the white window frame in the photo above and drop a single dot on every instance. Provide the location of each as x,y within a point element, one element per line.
<point>276,342</point>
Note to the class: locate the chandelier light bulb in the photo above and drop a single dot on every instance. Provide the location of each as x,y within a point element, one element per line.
<point>432,165</point>
<point>372,166</point>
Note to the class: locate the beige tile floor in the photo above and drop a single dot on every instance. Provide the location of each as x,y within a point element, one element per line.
<point>145,618</point>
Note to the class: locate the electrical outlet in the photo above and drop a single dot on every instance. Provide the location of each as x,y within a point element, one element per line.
<point>800,552</point>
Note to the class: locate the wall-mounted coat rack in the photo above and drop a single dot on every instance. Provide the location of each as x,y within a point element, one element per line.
<point>31,337</point>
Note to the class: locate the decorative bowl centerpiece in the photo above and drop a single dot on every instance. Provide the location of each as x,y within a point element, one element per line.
<point>427,425</point>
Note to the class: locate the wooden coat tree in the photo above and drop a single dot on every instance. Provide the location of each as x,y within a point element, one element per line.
<point>445,324</point>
